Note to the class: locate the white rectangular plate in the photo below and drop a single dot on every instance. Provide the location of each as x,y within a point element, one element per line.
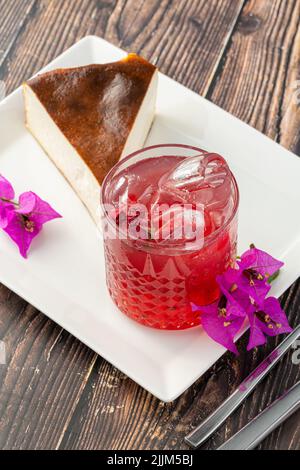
<point>64,275</point>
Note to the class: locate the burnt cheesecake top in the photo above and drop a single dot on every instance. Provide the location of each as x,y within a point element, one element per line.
<point>95,106</point>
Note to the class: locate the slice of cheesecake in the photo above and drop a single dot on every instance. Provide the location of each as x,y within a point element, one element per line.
<point>87,118</point>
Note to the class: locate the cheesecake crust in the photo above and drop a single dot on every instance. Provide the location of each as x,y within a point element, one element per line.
<point>95,106</point>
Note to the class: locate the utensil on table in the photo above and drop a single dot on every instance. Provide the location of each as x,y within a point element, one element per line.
<point>217,418</point>
<point>260,427</point>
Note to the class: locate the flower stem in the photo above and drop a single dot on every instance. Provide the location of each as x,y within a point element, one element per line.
<point>273,277</point>
<point>9,201</point>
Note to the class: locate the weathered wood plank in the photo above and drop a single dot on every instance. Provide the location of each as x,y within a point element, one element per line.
<point>255,83</point>
<point>52,27</point>
<point>289,122</point>
<point>185,39</point>
<point>43,378</point>
<point>13,16</point>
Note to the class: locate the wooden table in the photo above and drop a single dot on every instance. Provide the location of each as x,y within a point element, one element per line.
<point>243,55</point>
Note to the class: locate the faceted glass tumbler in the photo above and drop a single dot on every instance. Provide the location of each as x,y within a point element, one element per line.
<point>157,285</point>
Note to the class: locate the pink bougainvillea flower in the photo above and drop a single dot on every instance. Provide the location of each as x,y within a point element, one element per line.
<point>253,285</point>
<point>218,324</point>
<point>39,211</point>
<point>3,214</point>
<point>6,194</point>
<point>26,222</point>
<point>243,296</point>
<point>237,300</point>
<point>6,189</point>
<point>22,231</point>
<point>259,263</point>
<point>257,267</point>
<point>267,319</point>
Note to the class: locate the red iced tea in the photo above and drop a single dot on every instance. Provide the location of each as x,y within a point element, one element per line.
<point>154,278</point>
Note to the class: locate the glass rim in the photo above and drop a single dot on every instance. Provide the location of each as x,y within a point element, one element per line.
<point>144,242</point>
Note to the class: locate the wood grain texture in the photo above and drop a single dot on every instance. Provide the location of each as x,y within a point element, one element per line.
<point>182,44</point>
<point>244,56</point>
<point>13,16</point>
<point>46,371</point>
<point>185,39</point>
<point>256,78</point>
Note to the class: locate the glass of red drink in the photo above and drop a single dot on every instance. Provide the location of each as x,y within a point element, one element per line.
<point>154,278</point>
